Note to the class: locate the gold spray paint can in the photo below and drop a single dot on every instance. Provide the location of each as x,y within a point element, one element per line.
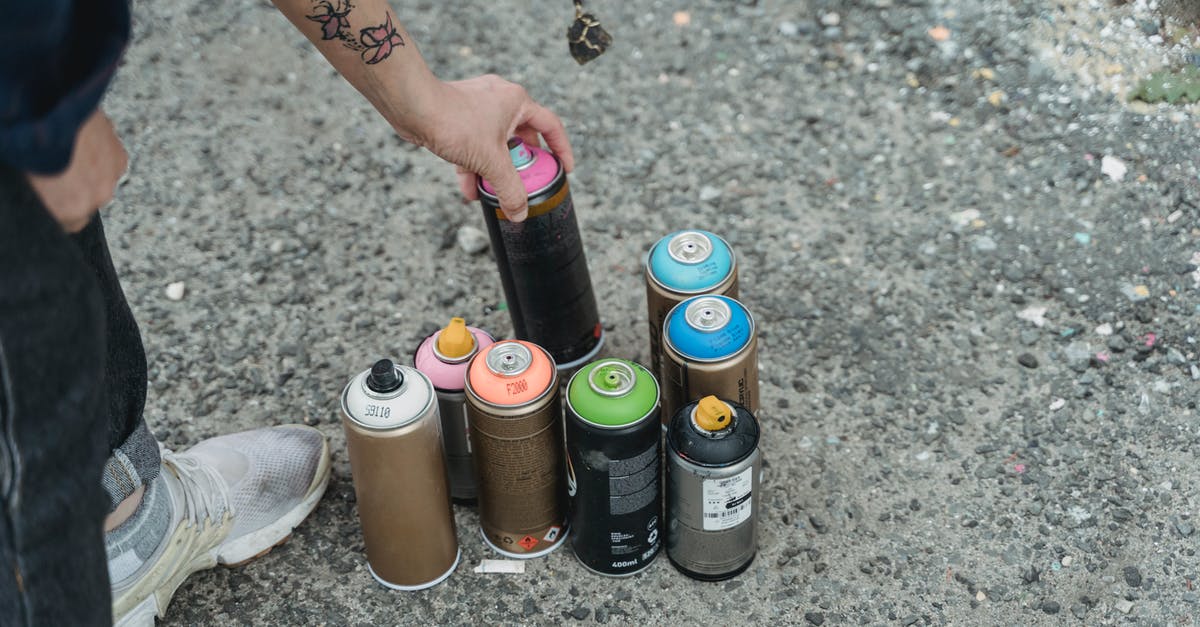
<point>390,416</point>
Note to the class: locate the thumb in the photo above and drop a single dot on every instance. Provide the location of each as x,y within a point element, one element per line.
<point>503,176</point>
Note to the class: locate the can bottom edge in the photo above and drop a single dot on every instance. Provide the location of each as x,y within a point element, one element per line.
<point>647,565</point>
<point>421,586</point>
<point>525,556</point>
<point>586,358</point>
<point>710,577</point>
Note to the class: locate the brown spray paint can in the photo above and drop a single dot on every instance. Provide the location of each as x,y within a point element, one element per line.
<point>681,265</point>
<point>393,432</point>
<point>515,417</point>
<point>710,347</point>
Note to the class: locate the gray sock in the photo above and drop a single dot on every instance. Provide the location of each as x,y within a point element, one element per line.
<point>136,540</point>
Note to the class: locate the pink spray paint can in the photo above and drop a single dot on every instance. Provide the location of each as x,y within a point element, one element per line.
<point>542,264</point>
<point>444,358</point>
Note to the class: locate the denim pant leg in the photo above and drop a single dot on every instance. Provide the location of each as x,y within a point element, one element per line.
<point>135,458</point>
<point>53,421</point>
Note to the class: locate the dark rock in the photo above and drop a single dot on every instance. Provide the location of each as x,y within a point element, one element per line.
<point>1027,360</point>
<point>814,618</point>
<point>1133,576</point>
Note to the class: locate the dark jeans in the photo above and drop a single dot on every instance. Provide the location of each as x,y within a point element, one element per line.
<point>73,443</point>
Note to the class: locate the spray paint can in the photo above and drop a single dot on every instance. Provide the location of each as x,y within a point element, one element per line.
<point>542,264</point>
<point>613,456</point>
<point>680,265</point>
<point>515,417</point>
<point>713,471</point>
<point>709,347</point>
<point>390,417</point>
<point>444,357</point>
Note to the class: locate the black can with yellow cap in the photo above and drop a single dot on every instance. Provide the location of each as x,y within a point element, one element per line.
<point>712,485</point>
<point>444,357</point>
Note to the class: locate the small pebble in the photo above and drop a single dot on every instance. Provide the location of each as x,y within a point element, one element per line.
<point>814,618</point>
<point>1133,576</point>
<point>176,290</point>
<point>1027,360</point>
<point>1124,606</point>
<point>789,29</point>
<point>1051,607</point>
<point>471,240</point>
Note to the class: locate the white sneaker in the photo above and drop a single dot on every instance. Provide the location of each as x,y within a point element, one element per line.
<point>234,498</point>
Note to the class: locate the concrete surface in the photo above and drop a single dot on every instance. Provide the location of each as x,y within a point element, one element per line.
<point>916,219</point>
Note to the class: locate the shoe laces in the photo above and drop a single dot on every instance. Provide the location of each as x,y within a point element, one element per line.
<point>205,495</point>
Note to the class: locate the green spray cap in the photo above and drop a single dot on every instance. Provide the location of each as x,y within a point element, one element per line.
<point>612,393</point>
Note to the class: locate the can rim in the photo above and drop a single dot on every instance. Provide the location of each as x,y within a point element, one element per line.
<point>474,396</point>
<point>361,380</point>
<point>656,406</point>
<point>667,343</point>
<point>558,175</point>
<point>732,268</point>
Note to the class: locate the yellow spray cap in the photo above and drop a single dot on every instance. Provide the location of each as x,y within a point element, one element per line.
<point>456,339</point>
<point>712,414</point>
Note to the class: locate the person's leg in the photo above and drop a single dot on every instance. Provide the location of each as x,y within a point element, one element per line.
<point>53,428</point>
<point>134,463</point>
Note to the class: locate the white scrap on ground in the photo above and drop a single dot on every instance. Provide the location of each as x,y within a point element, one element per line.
<point>1113,167</point>
<point>501,566</point>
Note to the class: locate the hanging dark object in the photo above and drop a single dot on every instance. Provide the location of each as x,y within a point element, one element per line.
<point>586,38</point>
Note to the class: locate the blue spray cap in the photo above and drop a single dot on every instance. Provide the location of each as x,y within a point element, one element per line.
<point>709,328</point>
<point>690,261</point>
<point>520,154</point>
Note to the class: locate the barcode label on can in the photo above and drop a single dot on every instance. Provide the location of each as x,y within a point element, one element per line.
<point>728,501</point>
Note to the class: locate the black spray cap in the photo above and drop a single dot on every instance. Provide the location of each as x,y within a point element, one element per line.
<point>713,445</point>
<point>384,377</point>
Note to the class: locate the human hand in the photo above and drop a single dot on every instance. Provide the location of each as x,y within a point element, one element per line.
<point>98,162</point>
<point>469,123</point>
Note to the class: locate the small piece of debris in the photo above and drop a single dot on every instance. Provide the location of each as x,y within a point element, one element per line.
<point>1105,330</point>
<point>939,33</point>
<point>1027,360</point>
<point>1036,315</point>
<point>1057,404</point>
<point>682,18</point>
<point>1124,606</point>
<point>1113,167</point>
<point>176,290</point>
<point>501,566</point>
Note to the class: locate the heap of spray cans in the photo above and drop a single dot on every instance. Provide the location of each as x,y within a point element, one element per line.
<point>554,445</point>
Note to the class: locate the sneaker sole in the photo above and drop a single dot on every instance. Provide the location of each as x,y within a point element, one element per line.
<point>235,553</point>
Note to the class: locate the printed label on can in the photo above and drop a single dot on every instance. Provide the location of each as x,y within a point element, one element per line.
<point>727,501</point>
<point>552,534</point>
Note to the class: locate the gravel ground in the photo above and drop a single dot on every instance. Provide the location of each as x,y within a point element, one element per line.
<point>979,356</point>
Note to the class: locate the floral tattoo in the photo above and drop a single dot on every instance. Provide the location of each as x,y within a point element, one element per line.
<point>374,43</point>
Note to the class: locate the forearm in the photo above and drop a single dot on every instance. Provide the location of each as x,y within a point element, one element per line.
<point>363,40</point>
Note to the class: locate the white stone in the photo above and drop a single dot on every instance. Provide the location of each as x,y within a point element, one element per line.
<point>1036,315</point>
<point>1113,167</point>
<point>831,19</point>
<point>471,239</point>
<point>176,290</point>
<point>788,29</point>
<point>708,192</point>
<point>1104,329</point>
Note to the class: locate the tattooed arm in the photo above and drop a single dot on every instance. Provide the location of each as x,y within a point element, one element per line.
<point>465,122</point>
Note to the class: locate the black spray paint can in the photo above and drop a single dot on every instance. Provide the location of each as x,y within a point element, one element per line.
<point>542,264</point>
<point>613,443</point>
<point>713,473</point>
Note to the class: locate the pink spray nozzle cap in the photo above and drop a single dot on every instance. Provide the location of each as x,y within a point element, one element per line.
<point>520,154</point>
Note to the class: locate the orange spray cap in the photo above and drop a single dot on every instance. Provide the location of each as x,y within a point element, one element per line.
<point>712,414</point>
<point>456,340</point>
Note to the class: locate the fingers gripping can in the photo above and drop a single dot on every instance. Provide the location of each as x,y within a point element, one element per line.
<point>542,264</point>
<point>709,347</point>
<point>613,443</point>
<point>394,437</point>
<point>713,470</point>
<point>444,357</point>
<point>680,265</point>
<point>515,419</point>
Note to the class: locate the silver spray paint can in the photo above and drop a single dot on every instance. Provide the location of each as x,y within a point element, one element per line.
<point>713,472</point>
